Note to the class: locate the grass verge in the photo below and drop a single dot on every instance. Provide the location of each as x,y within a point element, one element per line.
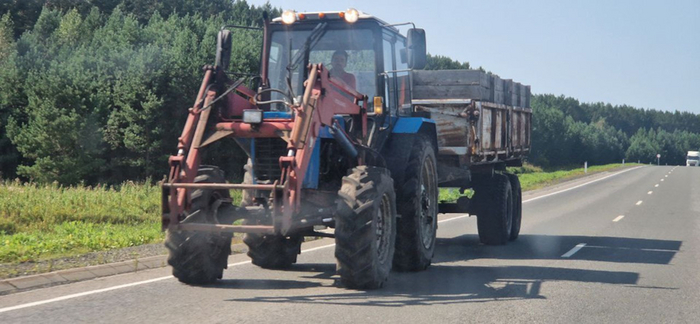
<point>533,177</point>
<point>48,221</point>
<point>540,179</point>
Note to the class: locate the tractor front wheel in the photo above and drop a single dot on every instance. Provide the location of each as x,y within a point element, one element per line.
<point>267,251</point>
<point>200,258</point>
<point>365,228</point>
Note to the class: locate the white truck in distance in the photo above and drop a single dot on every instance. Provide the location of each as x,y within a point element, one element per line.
<point>693,158</point>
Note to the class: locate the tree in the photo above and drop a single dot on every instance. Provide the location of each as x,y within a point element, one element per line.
<point>439,62</point>
<point>102,97</point>
<point>9,97</point>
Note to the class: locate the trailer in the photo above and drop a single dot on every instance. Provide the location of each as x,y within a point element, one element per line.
<point>361,148</point>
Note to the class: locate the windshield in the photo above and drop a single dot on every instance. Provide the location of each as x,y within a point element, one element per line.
<point>353,48</point>
<point>693,158</point>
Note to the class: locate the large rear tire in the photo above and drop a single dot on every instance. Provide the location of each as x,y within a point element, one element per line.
<point>267,251</point>
<point>493,199</point>
<point>416,202</point>
<point>365,230</point>
<point>200,258</point>
<point>517,205</point>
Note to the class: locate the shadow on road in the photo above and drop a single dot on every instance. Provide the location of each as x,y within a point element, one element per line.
<point>450,284</point>
<point>446,282</point>
<point>598,248</point>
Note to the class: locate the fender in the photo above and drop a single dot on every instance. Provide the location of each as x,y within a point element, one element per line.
<point>397,150</point>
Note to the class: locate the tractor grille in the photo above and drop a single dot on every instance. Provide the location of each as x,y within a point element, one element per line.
<point>267,157</point>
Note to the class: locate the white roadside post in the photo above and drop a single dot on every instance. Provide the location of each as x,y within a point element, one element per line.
<point>585,167</point>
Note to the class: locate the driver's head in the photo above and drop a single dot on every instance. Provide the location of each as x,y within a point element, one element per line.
<point>339,60</point>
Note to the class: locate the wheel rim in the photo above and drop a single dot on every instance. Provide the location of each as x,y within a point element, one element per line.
<point>383,228</point>
<point>427,218</point>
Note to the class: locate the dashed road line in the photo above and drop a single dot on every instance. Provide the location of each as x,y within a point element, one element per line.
<point>639,203</point>
<point>656,185</point>
<point>649,193</point>
<point>574,250</point>
<point>618,218</point>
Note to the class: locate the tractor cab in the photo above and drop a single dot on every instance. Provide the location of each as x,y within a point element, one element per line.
<point>352,45</point>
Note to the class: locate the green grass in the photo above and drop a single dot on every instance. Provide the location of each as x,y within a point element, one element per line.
<point>536,180</point>
<point>41,222</point>
<point>47,221</point>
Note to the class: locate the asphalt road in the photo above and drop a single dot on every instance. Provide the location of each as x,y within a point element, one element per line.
<point>624,248</point>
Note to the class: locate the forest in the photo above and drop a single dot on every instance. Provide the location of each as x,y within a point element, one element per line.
<point>95,92</point>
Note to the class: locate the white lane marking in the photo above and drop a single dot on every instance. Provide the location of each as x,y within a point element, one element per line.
<point>53,300</point>
<point>662,179</point>
<point>618,218</point>
<point>656,185</point>
<point>7,309</point>
<point>581,185</point>
<point>453,218</point>
<point>666,176</point>
<point>638,203</point>
<point>87,293</point>
<point>574,250</point>
<point>650,192</point>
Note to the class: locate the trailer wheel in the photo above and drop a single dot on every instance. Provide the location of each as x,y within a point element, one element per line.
<point>365,230</point>
<point>416,202</point>
<point>267,251</point>
<point>200,258</point>
<point>517,205</point>
<point>493,200</point>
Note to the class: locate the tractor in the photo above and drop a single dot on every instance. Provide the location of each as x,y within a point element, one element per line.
<point>334,140</point>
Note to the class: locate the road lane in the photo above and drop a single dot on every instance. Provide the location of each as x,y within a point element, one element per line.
<point>641,269</point>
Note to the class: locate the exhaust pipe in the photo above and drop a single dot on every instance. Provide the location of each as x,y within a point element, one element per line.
<point>343,141</point>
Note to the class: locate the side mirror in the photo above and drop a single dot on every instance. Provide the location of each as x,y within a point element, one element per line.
<point>417,57</point>
<point>223,49</point>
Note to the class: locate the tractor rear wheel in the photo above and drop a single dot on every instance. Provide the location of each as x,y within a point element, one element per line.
<point>493,204</point>
<point>267,251</point>
<point>365,229</point>
<point>200,258</point>
<point>416,202</point>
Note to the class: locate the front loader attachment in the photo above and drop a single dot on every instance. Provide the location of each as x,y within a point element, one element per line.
<point>233,213</point>
<point>281,213</point>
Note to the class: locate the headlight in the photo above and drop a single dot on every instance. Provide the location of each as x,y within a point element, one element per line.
<point>289,17</point>
<point>351,15</point>
<point>252,116</point>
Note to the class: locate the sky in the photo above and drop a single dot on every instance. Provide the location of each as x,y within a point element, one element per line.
<point>640,53</point>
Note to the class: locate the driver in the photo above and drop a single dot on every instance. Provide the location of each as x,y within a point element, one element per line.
<point>338,62</point>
